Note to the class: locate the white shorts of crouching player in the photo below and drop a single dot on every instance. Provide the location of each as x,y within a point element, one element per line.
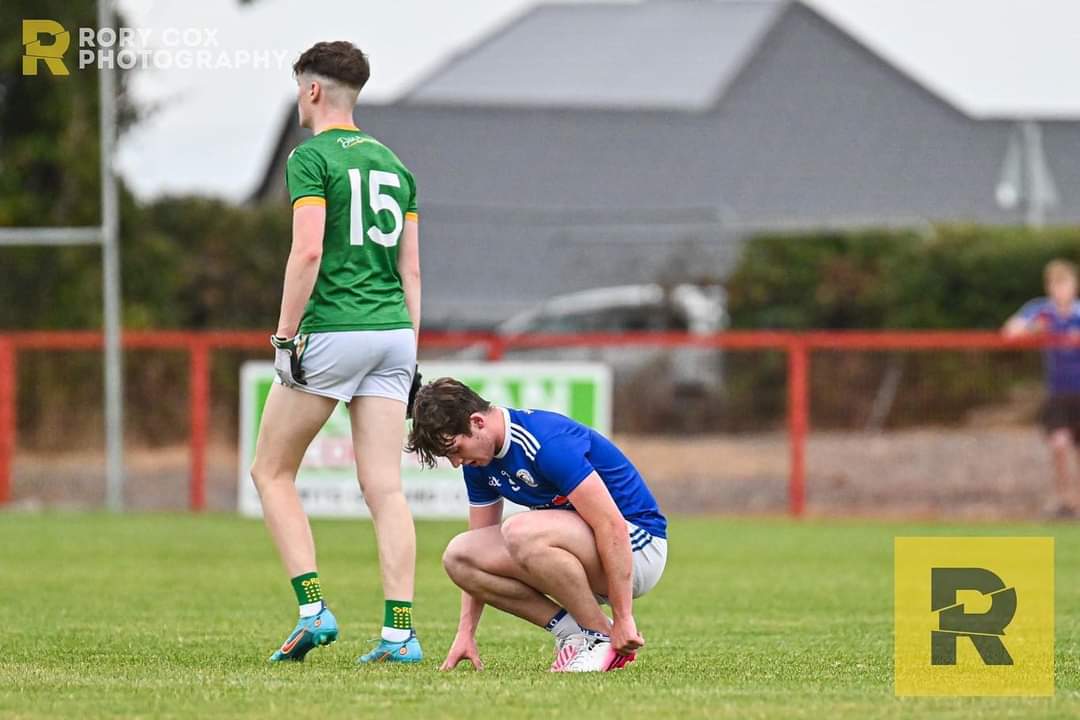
<point>649,558</point>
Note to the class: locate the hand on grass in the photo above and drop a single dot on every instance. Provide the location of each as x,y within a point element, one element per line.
<point>463,648</point>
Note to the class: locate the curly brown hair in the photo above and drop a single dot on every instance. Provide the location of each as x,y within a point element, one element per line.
<point>339,60</point>
<point>442,410</point>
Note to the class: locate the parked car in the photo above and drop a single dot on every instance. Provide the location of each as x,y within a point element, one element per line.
<point>629,308</point>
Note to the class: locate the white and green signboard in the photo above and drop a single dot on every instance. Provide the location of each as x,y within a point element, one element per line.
<point>327,479</point>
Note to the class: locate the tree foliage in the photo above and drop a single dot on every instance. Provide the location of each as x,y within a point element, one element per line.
<point>957,277</point>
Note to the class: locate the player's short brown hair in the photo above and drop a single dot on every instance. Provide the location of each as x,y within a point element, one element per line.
<point>442,410</point>
<point>339,60</point>
<point>1058,268</point>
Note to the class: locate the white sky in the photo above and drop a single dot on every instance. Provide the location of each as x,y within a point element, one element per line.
<point>213,130</point>
<point>990,57</point>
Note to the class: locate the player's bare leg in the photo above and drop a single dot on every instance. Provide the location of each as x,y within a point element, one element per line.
<point>543,552</point>
<point>1061,446</point>
<point>516,567</point>
<point>378,429</point>
<point>1073,478</point>
<point>479,562</point>
<point>290,421</point>
<point>556,549</point>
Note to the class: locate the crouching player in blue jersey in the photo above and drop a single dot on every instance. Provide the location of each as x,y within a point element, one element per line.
<point>595,534</point>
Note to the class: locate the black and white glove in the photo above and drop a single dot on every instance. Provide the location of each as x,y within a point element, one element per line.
<point>287,354</point>
<point>416,382</point>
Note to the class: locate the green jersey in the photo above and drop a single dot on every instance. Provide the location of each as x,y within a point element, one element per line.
<point>368,195</point>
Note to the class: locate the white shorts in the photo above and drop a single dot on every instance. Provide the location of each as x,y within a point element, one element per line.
<point>354,363</point>
<point>649,558</point>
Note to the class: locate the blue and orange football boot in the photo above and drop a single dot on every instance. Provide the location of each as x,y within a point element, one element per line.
<point>310,633</point>
<point>401,652</point>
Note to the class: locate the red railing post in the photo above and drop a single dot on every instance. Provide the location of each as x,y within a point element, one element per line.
<point>496,349</point>
<point>199,389</point>
<point>7,418</point>
<point>798,423</point>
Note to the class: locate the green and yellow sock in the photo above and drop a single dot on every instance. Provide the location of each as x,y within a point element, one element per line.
<point>308,593</point>
<point>397,621</point>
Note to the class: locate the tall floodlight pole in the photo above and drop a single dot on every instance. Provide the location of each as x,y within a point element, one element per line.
<point>110,257</point>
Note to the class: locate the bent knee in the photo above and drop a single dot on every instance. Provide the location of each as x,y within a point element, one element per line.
<point>268,473</point>
<point>261,475</point>
<point>462,560</point>
<point>380,495</point>
<point>456,556</point>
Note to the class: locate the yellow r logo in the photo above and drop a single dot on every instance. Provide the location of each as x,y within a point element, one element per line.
<point>51,54</point>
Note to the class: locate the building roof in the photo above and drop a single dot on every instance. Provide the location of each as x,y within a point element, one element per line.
<point>685,54</point>
<point>669,54</point>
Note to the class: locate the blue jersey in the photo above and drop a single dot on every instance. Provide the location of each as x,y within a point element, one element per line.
<point>545,456</point>
<point>1062,364</point>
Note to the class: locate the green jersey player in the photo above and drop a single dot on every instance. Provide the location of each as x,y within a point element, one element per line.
<point>350,315</point>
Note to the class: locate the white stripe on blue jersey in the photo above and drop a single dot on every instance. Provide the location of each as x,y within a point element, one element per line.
<point>529,448</point>
<point>524,447</point>
<point>527,436</point>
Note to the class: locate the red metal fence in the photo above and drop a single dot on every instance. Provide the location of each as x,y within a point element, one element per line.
<point>799,348</point>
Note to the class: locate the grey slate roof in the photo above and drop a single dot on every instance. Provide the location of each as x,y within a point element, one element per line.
<point>676,54</point>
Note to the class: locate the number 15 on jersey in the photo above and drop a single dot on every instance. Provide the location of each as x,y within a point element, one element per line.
<point>379,202</point>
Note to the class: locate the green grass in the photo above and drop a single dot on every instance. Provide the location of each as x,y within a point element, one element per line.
<point>174,616</point>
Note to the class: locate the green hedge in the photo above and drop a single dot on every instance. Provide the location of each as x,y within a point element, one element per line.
<point>957,277</point>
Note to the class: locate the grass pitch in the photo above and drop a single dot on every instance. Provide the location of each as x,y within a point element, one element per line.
<point>175,615</point>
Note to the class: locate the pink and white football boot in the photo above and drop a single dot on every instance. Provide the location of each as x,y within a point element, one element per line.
<point>567,648</point>
<point>589,652</point>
